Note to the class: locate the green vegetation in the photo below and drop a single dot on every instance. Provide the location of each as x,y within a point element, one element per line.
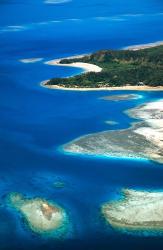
<point>120,68</point>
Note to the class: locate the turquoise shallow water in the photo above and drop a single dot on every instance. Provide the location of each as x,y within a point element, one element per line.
<point>35,122</point>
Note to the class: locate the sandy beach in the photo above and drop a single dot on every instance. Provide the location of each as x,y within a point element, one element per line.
<point>134,88</point>
<point>87,67</point>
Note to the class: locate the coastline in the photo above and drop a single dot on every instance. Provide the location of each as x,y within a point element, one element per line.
<point>87,67</point>
<point>143,46</point>
<point>134,88</point>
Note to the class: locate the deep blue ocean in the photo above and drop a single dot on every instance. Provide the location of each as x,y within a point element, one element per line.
<point>35,122</point>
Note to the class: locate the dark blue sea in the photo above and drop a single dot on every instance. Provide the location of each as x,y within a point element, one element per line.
<point>35,122</point>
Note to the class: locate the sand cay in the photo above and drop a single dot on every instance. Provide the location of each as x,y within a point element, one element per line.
<point>40,215</point>
<point>143,140</point>
<point>137,210</point>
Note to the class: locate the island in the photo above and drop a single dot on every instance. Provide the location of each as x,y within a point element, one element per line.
<point>41,216</point>
<point>136,211</point>
<point>111,69</point>
<point>143,140</point>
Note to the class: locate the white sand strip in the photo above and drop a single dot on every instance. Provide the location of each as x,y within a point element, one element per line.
<point>124,88</point>
<point>87,67</point>
<point>143,46</point>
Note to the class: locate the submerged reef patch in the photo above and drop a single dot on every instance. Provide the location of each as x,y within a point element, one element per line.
<point>123,97</point>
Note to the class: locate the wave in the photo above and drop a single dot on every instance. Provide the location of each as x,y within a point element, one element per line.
<point>117,18</point>
<point>107,18</point>
<point>125,16</point>
<point>12,28</point>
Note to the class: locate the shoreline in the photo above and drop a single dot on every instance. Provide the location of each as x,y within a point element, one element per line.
<point>124,88</point>
<point>87,67</point>
<point>143,46</point>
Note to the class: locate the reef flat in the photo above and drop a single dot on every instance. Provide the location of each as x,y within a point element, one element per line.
<point>123,97</point>
<point>59,184</point>
<point>137,210</point>
<point>143,139</point>
<point>40,215</point>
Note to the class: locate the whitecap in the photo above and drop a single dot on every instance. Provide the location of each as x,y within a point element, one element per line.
<point>56,21</point>
<point>56,1</point>
<point>12,28</point>
<point>74,19</point>
<point>111,18</point>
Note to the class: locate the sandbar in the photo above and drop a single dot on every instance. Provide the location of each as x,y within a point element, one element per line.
<point>87,67</point>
